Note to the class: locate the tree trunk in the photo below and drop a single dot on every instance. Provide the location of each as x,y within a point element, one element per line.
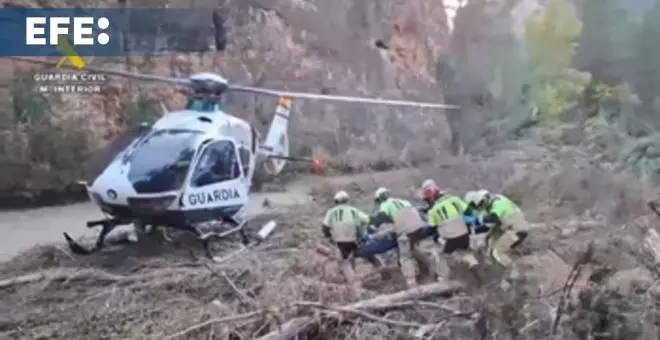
<point>298,325</point>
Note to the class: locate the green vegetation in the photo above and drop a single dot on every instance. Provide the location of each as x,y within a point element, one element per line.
<point>609,315</point>
<point>41,153</point>
<point>38,153</point>
<point>587,76</point>
<point>551,41</point>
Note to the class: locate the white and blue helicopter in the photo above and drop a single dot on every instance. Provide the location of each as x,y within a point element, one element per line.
<point>196,165</point>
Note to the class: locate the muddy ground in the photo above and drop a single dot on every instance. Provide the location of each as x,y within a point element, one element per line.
<point>167,290</point>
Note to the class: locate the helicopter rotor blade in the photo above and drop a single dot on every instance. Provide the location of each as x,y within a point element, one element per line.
<point>139,76</point>
<point>249,89</point>
<point>350,99</point>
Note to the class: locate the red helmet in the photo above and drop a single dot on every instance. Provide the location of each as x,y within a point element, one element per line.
<point>431,193</point>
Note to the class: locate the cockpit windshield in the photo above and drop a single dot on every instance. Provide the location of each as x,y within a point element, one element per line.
<point>201,104</point>
<point>161,162</point>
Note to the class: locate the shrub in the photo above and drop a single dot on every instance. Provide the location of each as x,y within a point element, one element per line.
<point>40,154</point>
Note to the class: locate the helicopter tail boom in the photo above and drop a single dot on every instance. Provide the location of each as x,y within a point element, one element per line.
<point>276,145</point>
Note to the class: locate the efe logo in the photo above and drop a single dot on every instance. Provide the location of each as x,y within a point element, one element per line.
<point>83,30</point>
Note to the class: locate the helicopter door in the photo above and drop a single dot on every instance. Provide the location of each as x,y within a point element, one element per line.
<point>216,183</point>
<point>245,156</point>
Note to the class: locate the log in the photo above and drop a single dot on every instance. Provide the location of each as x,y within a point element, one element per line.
<point>22,279</point>
<point>59,274</point>
<point>67,274</point>
<point>419,292</point>
<point>298,325</point>
<point>326,251</point>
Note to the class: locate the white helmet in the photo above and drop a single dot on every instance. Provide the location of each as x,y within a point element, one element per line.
<point>480,196</point>
<point>469,197</point>
<point>381,193</point>
<point>341,196</point>
<point>428,183</point>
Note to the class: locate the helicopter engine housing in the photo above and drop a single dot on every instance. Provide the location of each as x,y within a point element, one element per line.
<point>208,84</point>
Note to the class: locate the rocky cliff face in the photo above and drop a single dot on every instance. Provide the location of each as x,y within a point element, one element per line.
<point>387,48</point>
<point>317,46</point>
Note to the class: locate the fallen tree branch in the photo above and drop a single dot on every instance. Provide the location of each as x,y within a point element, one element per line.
<point>384,301</point>
<point>60,275</point>
<point>303,324</point>
<point>325,251</point>
<point>359,313</point>
<point>232,284</point>
<point>68,274</point>
<point>573,276</point>
<point>213,321</point>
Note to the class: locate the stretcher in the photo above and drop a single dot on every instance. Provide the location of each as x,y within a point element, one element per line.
<point>379,244</point>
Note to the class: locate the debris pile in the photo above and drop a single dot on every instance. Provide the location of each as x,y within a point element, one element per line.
<point>577,274</point>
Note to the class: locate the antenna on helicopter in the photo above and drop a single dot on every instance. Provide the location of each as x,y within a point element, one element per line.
<point>210,85</point>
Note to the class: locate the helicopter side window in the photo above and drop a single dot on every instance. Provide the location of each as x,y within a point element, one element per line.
<point>244,154</point>
<point>218,163</point>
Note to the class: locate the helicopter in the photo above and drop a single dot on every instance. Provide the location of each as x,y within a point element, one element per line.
<point>197,164</point>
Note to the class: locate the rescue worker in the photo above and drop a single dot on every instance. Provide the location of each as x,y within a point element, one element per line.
<point>457,202</point>
<point>427,207</point>
<point>521,231</point>
<point>508,227</point>
<point>446,216</point>
<point>473,215</point>
<point>344,225</point>
<point>470,215</point>
<point>408,226</point>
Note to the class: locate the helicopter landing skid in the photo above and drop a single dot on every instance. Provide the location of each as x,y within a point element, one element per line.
<point>206,238</point>
<point>107,224</point>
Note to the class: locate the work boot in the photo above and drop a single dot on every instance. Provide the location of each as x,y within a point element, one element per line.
<point>473,269</point>
<point>408,271</point>
<point>521,236</point>
<point>351,278</point>
<point>442,269</point>
<point>423,264</point>
<point>380,267</point>
<point>469,259</point>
